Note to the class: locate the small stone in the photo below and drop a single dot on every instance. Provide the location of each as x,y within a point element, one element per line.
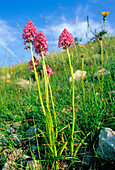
<point>78,75</point>
<point>31,165</point>
<point>97,94</point>
<point>77,62</point>
<point>24,159</point>
<point>3,141</point>
<point>65,166</point>
<point>17,139</point>
<point>106,146</point>
<point>23,82</point>
<point>8,76</point>
<point>30,134</point>
<point>64,110</point>
<point>10,130</point>
<point>34,148</point>
<point>99,73</point>
<point>77,97</point>
<point>87,158</point>
<point>12,154</point>
<point>9,166</point>
<point>16,125</point>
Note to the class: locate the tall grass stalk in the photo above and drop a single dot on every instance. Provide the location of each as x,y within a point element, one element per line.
<point>101,43</point>
<point>82,80</point>
<point>73,120</point>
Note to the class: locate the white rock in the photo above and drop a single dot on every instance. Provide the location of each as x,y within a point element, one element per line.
<point>17,139</point>
<point>3,140</point>
<point>99,73</point>
<point>12,154</point>
<point>106,146</point>
<point>33,165</point>
<point>10,130</point>
<point>9,165</point>
<point>78,75</point>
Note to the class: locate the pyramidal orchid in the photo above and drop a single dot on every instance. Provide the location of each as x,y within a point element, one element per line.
<point>65,39</point>
<point>29,33</point>
<point>40,43</point>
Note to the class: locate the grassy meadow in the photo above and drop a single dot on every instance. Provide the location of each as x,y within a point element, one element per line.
<point>94,103</point>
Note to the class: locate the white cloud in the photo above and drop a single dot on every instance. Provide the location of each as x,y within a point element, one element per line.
<point>7,33</point>
<point>8,36</point>
<point>78,30</point>
<point>83,11</point>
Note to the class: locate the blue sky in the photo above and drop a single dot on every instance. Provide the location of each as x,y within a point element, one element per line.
<point>60,14</point>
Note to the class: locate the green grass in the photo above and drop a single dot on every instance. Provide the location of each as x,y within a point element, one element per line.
<point>19,103</point>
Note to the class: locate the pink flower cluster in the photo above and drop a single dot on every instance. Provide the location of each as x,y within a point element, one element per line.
<point>30,65</point>
<point>29,33</point>
<point>65,39</point>
<point>49,70</point>
<point>38,39</point>
<point>40,43</point>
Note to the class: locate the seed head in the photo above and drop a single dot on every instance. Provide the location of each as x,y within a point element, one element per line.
<point>101,38</point>
<point>82,56</point>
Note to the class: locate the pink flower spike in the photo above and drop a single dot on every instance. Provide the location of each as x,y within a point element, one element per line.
<point>65,39</point>
<point>49,70</point>
<point>30,65</point>
<point>40,42</point>
<point>29,32</point>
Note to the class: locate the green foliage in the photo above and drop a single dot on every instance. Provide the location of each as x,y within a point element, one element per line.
<point>22,103</point>
<point>98,34</point>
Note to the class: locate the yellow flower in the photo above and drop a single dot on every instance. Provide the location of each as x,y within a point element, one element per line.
<point>105,13</point>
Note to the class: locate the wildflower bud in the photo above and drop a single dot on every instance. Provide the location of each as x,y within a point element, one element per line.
<point>82,56</point>
<point>104,15</point>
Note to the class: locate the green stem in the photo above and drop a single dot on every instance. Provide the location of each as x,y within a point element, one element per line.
<point>36,76</point>
<point>82,80</point>
<point>49,117</point>
<point>102,72</point>
<point>73,121</point>
<point>53,109</point>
